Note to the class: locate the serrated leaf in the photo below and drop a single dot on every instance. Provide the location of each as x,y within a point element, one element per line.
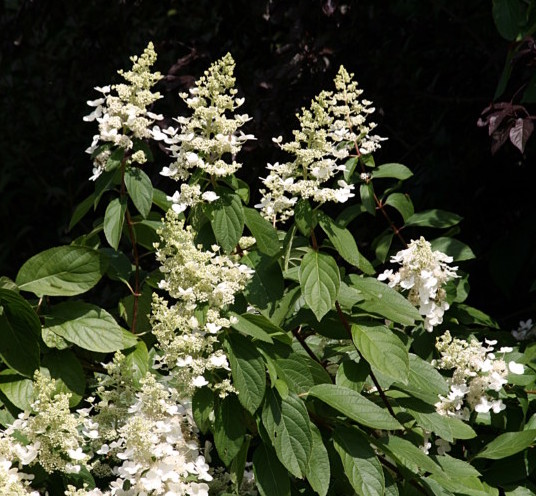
<point>114,218</point>
<point>301,372</point>
<point>248,371</point>
<point>455,467</point>
<point>382,349</point>
<point>448,428</point>
<point>393,170</point>
<point>62,271</point>
<point>507,444</point>
<point>88,326</point>
<point>248,328</point>
<point>319,281</point>
<point>19,333</point>
<point>355,406</point>
<point>424,381</point>
<point>271,476</point>
<point>360,463</point>
<point>402,203</point>
<point>227,220</point>
<point>318,471</point>
<point>140,189</point>
<point>407,454</point>
<point>434,218</point>
<point>453,248</point>
<point>262,231</point>
<point>81,210</point>
<point>229,429</point>
<point>287,424</point>
<point>385,301</point>
<point>344,243</point>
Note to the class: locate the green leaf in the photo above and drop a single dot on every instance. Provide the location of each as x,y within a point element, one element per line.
<point>287,424</point>
<point>304,217</point>
<point>160,199</point>
<point>19,333</point>
<point>367,197</point>
<point>395,171</point>
<point>344,243</point>
<point>271,476</point>
<point>243,325</point>
<point>352,374</point>
<point>402,203</point>
<point>119,266</point>
<point>229,429</point>
<point>385,301</point>
<point>248,371</point>
<point>319,281</point>
<point>424,381</point>
<point>360,463</point>
<point>239,463</point>
<point>262,231</point>
<point>266,286</point>
<point>114,218</point>
<point>454,467</point>
<point>81,210</point>
<point>510,18</point>
<point>140,189</point>
<point>382,349</point>
<point>469,316</point>
<point>301,372</point>
<point>434,218</point>
<point>407,454</point>
<point>62,271</point>
<point>318,471</point>
<point>382,244</point>
<point>202,408</point>
<point>88,326</point>
<point>227,220</point>
<point>68,373</point>
<point>138,362</point>
<point>507,444</point>
<point>448,428</point>
<point>18,390</point>
<point>107,180</point>
<point>350,166</point>
<point>453,248</point>
<point>355,406</point>
<point>126,310</point>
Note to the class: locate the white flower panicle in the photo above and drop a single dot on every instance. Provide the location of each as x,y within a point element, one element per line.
<point>335,123</point>
<point>476,371</point>
<point>203,283</point>
<point>122,111</point>
<point>423,273</point>
<point>211,137</point>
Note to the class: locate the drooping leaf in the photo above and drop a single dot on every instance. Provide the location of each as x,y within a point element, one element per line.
<point>360,463</point>
<point>160,199</point>
<point>394,171</point>
<point>140,189</point>
<point>355,406</point>
<point>344,243</point>
<point>229,429</point>
<point>402,203</point>
<point>65,368</point>
<point>81,210</point>
<point>304,217</point>
<point>203,408</point>
<point>248,371</point>
<point>62,271</point>
<point>19,390</point>
<point>507,444</point>
<point>434,218</point>
<point>19,333</point>
<point>138,362</point>
<point>114,217</point>
<point>318,470</point>
<point>270,475</point>
<point>319,281</point>
<point>262,231</point>
<point>510,18</point>
<point>367,197</point>
<point>88,326</point>
<point>383,349</point>
<point>453,248</point>
<point>287,424</point>
<point>227,220</point>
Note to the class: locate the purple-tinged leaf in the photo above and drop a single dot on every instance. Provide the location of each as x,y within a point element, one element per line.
<point>520,133</point>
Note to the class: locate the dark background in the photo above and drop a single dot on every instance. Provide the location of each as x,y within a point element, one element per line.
<point>430,67</point>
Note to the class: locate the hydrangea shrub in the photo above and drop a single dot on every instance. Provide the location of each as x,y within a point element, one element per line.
<point>272,351</point>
